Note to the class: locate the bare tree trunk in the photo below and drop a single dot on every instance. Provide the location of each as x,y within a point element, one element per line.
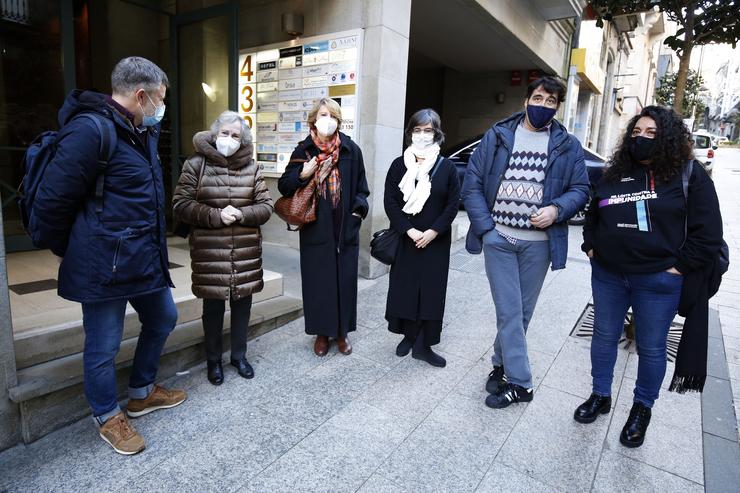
<point>684,60</point>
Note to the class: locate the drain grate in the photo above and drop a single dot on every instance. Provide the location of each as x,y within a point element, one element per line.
<point>584,329</point>
<point>458,260</point>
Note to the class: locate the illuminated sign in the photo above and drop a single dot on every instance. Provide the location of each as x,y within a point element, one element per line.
<point>279,84</point>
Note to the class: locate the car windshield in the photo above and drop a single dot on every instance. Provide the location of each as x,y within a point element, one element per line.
<point>702,141</point>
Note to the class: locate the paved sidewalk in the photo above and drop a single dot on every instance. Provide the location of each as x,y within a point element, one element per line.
<point>374,422</point>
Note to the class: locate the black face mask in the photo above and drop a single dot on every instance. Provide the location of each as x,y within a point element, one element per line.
<point>641,148</point>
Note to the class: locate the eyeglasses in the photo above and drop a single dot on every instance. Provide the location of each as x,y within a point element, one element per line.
<point>425,131</point>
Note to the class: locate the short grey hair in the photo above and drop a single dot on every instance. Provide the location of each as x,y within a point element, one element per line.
<point>135,72</point>
<point>228,117</point>
<point>422,117</point>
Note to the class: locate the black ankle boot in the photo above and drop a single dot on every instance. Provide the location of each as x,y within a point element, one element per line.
<point>404,347</point>
<point>633,433</point>
<point>590,410</point>
<point>215,372</point>
<point>424,353</point>
<point>429,356</point>
<point>243,368</point>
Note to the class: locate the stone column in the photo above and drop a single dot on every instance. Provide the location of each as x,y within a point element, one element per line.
<point>384,67</point>
<point>10,423</point>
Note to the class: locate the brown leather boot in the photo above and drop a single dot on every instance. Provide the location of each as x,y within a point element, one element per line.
<point>344,346</point>
<point>321,346</point>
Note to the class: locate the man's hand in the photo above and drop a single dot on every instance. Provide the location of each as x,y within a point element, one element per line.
<point>426,238</point>
<point>675,271</point>
<point>590,253</point>
<point>544,217</point>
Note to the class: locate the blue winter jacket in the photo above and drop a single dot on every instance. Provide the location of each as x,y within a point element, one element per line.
<point>566,183</point>
<point>121,252</point>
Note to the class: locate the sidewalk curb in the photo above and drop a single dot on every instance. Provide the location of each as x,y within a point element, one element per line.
<point>719,427</point>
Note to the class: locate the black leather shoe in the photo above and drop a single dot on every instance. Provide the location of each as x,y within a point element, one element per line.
<point>426,354</point>
<point>496,380</point>
<point>243,368</point>
<point>215,372</point>
<point>633,433</point>
<point>590,410</point>
<point>404,347</point>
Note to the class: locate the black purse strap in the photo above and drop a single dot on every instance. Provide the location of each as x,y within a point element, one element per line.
<point>435,168</point>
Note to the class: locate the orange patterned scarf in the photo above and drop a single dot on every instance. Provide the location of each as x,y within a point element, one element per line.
<point>329,150</point>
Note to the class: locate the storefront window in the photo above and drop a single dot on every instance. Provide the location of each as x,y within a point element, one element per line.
<point>31,89</point>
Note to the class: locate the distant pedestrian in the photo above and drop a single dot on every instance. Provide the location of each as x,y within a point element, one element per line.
<point>422,197</point>
<point>648,241</point>
<point>223,195</point>
<point>329,246</point>
<point>524,181</point>
<point>114,247</point>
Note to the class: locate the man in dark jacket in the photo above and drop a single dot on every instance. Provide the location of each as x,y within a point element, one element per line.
<point>524,181</point>
<point>114,251</point>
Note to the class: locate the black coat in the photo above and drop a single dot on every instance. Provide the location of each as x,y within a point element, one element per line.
<point>328,266</point>
<point>418,279</point>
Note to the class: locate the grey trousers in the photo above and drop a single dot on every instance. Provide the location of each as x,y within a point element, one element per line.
<point>516,273</point>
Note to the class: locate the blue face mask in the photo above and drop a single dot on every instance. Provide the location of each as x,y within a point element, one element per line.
<point>151,120</point>
<point>540,116</point>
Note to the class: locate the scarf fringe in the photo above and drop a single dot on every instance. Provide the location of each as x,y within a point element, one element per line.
<point>689,383</point>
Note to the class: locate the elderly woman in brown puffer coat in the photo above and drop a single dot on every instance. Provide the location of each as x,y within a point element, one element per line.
<point>223,196</point>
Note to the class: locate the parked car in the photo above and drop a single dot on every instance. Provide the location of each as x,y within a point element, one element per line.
<point>723,141</point>
<point>460,154</point>
<point>704,149</point>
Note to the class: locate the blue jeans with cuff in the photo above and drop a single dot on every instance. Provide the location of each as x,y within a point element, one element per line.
<point>103,324</point>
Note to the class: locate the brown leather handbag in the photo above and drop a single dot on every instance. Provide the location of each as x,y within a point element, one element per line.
<point>300,208</point>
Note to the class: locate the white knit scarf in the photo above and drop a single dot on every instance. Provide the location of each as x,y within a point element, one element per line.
<point>415,184</point>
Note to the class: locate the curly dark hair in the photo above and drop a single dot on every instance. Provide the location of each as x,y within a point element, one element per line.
<point>673,146</point>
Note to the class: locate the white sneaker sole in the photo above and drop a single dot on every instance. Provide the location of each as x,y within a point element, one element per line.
<point>138,414</point>
<point>122,452</point>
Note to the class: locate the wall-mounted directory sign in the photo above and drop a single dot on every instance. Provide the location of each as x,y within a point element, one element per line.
<point>278,85</point>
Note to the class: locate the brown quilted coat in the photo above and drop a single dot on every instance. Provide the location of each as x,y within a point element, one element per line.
<point>226,260</point>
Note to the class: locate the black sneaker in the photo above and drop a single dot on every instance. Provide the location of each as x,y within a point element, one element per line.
<point>496,380</point>
<point>509,394</point>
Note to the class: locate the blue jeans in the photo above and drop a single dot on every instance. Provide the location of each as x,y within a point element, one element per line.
<point>516,274</point>
<point>654,301</point>
<point>103,323</point>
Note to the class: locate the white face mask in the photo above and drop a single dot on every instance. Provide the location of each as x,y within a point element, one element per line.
<point>227,146</point>
<point>422,140</point>
<point>326,126</point>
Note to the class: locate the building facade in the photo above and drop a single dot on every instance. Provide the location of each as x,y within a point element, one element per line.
<point>613,75</point>
<point>382,59</point>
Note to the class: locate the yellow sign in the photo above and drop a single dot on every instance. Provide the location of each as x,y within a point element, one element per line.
<point>345,90</point>
<point>587,66</point>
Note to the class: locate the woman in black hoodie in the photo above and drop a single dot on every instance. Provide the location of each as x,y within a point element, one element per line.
<point>644,234</point>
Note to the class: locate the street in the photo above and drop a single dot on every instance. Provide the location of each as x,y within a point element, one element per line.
<point>374,422</point>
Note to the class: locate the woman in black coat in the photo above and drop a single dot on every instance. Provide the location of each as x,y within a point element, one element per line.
<point>422,195</point>
<point>330,245</point>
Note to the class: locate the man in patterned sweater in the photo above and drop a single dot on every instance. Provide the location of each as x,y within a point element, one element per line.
<point>524,181</point>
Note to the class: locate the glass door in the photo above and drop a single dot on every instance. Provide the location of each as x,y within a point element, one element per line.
<point>205,74</point>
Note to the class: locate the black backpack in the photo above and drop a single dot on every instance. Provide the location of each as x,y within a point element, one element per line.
<point>41,152</point>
